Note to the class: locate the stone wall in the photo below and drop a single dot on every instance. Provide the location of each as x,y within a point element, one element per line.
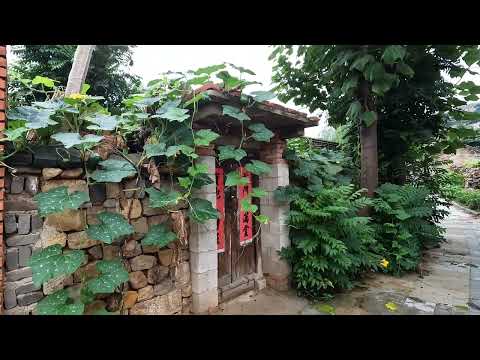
<point>159,279</point>
<point>3,99</point>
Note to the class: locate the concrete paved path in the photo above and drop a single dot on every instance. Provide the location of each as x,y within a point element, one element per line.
<point>449,285</point>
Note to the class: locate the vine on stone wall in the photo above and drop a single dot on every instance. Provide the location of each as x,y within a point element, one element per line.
<point>154,134</point>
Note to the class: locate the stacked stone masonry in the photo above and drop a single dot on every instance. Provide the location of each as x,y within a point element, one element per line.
<point>3,106</point>
<point>159,279</point>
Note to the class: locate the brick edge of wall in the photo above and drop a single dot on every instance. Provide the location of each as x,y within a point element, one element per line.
<point>3,107</point>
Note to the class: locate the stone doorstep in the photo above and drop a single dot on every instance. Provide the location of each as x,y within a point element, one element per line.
<point>230,291</point>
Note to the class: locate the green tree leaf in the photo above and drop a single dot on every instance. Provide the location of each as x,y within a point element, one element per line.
<point>154,149</point>
<point>406,70</point>
<point>14,134</point>
<point>262,96</point>
<point>159,235</point>
<point>161,198</point>
<point>50,263</point>
<point>112,275</point>
<point>374,71</point>
<point>71,139</point>
<point>234,179</point>
<point>393,53</point>
<point>234,112</point>
<point>354,110</point>
<point>368,118</point>
<point>258,167</point>
<point>230,152</point>
<point>113,171</point>
<point>205,137</point>
<point>202,210</point>
<point>472,56</point>
<point>58,199</point>
<point>103,122</point>
<point>258,192</point>
<point>260,132</point>
<point>170,104</point>
<point>59,303</point>
<point>361,62</point>
<point>112,227</point>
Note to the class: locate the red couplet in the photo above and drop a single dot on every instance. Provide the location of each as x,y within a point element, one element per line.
<point>246,218</point>
<point>221,209</point>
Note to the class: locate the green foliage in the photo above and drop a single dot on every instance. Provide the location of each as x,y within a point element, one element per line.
<point>230,152</point>
<point>73,139</point>
<point>260,132</point>
<point>205,137</point>
<point>108,74</point>
<point>162,198</point>
<point>234,179</point>
<point>112,275</point>
<point>235,113</point>
<point>159,235</point>
<point>112,227</point>
<point>404,225</point>
<point>113,171</point>
<point>59,303</point>
<point>331,244</point>
<point>202,210</point>
<point>58,199</point>
<point>50,263</point>
<point>467,197</point>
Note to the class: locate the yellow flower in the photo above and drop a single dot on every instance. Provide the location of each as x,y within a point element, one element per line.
<point>384,263</point>
<point>391,306</point>
<point>77,96</point>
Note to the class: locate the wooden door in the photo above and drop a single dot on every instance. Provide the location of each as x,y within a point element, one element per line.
<point>236,236</point>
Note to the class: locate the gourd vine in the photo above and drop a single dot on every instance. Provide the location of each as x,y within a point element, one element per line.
<point>154,134</point>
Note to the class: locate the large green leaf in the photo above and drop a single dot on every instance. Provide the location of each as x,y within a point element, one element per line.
<point>202,210</point>
<point>231,152</point>
<point>361,62</point>
<point>197,169</point>
<point>229,82</point>
<point>112,275</point>
<point>234,179</point>
<point>146,101</point>
<point>14,134</point>
<point>58,199</point>
<point>258,192</point>
<point>170,104</point>
<point>50,263</point>
<point>472,56</point>
<point>112,227</point>
<point>175,114</point>
<point>209,69</point>
<point>242,69</point>
<point>103,122</point>
<point>59,303</point>
<point>247,205</point>
<point>393,53</point>
<point>263,219</point>
<point>404,69</point>
<point>198,180</point>
<point>354,110</point>
<point>260,132</point>
<point>113,171</point>
<point>258,167</point>
<point>34,118</point>
<point>159,235</point>
<point>205,137</point>
<point>369,117</point>
<point>71,139</point>
<point>154,149</point>
<point>261,96</point>
<point>374,71</point>
<point>45,81</point>
<point>234,112</point>
<point>161,198</point>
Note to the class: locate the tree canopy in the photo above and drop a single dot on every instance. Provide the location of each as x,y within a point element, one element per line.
<point>107,76</point>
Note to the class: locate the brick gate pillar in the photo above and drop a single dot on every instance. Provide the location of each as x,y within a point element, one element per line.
<point>274,236</point>
<point>203,245</point>
<point>3,107</point>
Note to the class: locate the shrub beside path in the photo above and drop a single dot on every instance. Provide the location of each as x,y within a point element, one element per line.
<point>449,284</point>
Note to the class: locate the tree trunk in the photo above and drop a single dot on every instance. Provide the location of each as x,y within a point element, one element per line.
<point>79,70</point>
<point>369,158</point>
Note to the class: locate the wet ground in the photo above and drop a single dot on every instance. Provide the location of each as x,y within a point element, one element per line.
<point>448,285</point>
